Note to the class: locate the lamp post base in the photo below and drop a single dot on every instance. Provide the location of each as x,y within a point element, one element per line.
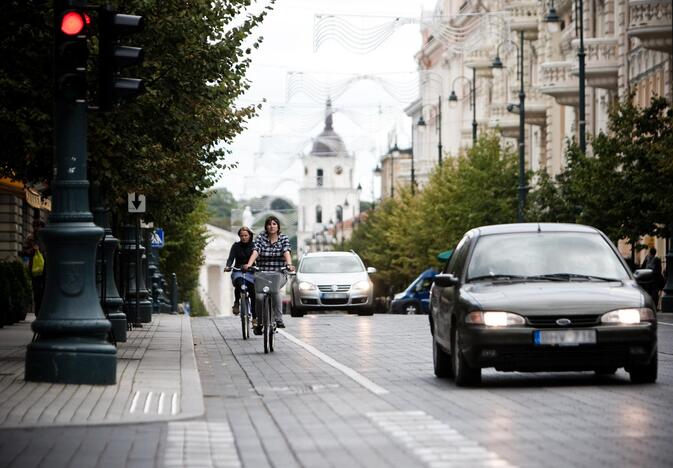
<point>67,361</point>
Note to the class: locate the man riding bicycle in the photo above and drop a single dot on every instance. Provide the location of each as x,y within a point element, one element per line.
<point>272,253</point>
<point>238,256</point>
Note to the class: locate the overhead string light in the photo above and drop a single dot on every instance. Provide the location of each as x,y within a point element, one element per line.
<point>358,38</point>
<point>362,38</point>
<point>319,87</point>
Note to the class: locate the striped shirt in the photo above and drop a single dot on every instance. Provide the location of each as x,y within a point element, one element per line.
<point>270,256</point>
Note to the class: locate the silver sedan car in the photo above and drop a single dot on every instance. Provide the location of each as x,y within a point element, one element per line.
<point>332,281</point>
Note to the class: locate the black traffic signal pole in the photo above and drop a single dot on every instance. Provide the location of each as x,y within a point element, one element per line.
<point>71,328</point>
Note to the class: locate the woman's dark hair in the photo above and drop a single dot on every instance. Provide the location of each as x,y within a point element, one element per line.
<point>246,229</point>
<point>268,221</point>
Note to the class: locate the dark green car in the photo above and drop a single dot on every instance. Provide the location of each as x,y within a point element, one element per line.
<point>541,297</point>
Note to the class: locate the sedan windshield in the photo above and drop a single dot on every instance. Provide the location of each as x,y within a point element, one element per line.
<point>545,256</point>
<point>331,264</point>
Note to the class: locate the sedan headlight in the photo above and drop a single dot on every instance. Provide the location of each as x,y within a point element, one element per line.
<point>306,286</point>
<point>361,285</point>
<point>628,316</point>
<point>495,319</point>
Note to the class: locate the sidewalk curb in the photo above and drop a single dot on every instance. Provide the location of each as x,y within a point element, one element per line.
<point>191,404</point>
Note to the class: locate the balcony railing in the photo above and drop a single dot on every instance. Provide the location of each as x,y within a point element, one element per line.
<point>481,60</point>
<point>503,120</point>
<point>650,21</point>
<point>536,105</point>
<point>602,64</point>
<point>524,16</point>
<point>557,81</point>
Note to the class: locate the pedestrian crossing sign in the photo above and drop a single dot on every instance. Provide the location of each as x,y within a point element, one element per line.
<point>158,238</point>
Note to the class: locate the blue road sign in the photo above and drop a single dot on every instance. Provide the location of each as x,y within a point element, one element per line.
<point>158,238</point>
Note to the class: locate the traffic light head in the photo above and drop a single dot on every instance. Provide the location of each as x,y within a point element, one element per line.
<point>113,57</point>
<point>71,53</point>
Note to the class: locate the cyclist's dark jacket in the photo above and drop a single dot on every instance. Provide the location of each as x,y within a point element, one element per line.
<point>240,252</point>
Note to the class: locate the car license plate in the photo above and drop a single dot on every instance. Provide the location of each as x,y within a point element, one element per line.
<point>564,337</point>
<point>334,296</point>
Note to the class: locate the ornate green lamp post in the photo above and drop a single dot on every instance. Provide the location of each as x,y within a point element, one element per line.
<point>71,329</point>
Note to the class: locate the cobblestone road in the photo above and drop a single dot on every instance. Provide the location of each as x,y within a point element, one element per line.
<point>349,391</point>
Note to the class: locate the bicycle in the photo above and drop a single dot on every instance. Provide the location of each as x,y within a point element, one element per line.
<point>268,283</point>
<point>245,301</point>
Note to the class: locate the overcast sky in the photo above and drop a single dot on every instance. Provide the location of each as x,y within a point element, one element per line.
<point>267,153</point>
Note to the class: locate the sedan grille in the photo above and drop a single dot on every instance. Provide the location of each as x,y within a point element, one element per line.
<point>575,320</point>
<point>328,288</point>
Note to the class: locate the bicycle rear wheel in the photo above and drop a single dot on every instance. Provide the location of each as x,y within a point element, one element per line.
<point>272,328</point>
<point>245,320</point>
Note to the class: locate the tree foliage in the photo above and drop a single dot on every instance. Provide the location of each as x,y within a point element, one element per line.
<point>403,235</point>
<point>169,143</point>
<point>623,188</point>
<point>220,202</point>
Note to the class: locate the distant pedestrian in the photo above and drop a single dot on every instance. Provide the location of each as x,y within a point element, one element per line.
<point>652,262</point>
<point>36,269</point>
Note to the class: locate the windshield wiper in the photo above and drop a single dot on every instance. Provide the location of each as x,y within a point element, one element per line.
<point>500,276</point>
<point>571,276</point>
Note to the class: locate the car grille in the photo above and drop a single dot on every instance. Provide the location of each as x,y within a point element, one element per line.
<point>335,301</point>
<point>328,288</point>
<point>549,321</point>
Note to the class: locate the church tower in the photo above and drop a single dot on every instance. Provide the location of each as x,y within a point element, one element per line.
<point>327,194</point>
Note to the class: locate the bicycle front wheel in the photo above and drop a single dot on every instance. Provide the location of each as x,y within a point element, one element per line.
<point>245,320</point>
<point>266,323</point>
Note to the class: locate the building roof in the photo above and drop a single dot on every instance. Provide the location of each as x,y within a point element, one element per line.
<point>328,143</point>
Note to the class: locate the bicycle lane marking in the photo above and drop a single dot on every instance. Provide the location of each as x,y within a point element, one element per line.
<point>436,443</point>
<point>353,374</point>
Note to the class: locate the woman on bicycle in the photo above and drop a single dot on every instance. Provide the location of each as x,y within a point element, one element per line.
<point>238,256</point>
<point>272,253</point>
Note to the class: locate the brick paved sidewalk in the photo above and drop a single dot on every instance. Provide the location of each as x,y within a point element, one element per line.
<point>157,380</point>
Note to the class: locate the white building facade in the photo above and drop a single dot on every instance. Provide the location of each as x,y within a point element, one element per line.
<point>627,44</point>
<point>215,288</point>
<point>328,193</point>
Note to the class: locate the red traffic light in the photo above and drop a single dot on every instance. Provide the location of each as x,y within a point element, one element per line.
<point>72,23</point>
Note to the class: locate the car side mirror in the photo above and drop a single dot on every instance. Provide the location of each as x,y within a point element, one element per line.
<point>371,270</point>
<point>446,280</point>
<point>643,276</point>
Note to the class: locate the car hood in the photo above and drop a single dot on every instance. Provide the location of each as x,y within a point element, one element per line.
<point>332,278</point>
<point>553,298</point>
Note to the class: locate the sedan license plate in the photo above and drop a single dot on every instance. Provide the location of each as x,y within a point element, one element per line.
<point>564,337</point>
<point>334,296</point>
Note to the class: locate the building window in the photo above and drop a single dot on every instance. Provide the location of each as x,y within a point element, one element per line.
<point>318,214</point>
<point>319,177</point>
<point>339,214</point>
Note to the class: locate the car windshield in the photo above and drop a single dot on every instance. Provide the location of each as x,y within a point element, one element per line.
<point>331,264</point>
<point>549,255</point>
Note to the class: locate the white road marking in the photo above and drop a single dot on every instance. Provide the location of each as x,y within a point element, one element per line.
<point>436,443</point>
<point>174,404</point>
<point>148,402</point>
<point>134,403</point>
<point>664,323</point>
<point>200,444</point>
<point>162,397</point>
<point>353,374</point>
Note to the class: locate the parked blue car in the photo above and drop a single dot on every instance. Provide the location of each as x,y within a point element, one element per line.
<point>416,298</point>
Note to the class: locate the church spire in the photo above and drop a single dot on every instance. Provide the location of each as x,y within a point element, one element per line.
<point>328,115</point>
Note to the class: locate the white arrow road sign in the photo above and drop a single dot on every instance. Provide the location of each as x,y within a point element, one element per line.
<point>137,203</point>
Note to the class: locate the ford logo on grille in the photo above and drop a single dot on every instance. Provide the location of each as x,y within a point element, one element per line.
<point>334,287</point>
<point>563,322</point>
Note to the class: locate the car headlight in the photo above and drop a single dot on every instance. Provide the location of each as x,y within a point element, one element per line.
<point>306,286</point>
<point>628,316</point>
<point>495,319</point>
<point>361,285</point>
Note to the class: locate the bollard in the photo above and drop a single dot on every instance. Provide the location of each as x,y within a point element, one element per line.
<point>174,293</point>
